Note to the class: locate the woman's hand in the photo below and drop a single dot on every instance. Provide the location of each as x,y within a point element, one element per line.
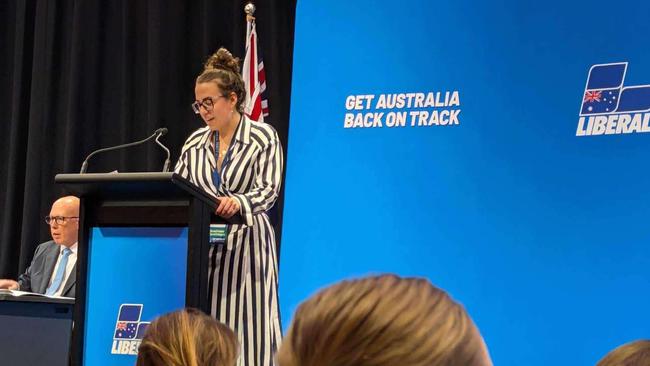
<point>228,206</point>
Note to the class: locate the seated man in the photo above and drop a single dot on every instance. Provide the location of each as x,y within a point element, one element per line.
<point>53,269</point>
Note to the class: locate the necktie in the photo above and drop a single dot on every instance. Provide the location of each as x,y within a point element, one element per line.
<point>60,271</point>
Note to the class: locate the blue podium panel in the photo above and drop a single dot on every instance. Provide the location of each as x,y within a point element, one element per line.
<point>497,148</point>
<point>134,275</point>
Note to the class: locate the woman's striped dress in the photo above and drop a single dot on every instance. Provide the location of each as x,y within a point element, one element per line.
<point>243,271</point>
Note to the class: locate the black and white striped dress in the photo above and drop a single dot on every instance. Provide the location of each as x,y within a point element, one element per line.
<point>243,271</point>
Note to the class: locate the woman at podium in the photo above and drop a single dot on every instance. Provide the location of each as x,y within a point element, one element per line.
<point>239,162</point>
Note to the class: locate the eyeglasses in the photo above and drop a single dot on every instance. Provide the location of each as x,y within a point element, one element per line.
<point>59,220</point>
<point>207,103</point>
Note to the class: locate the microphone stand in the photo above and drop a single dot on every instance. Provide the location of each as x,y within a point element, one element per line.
<point>168,160</point>
<point>84,165</point>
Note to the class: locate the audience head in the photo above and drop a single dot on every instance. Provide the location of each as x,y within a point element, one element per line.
<point>64,220</point>
<point>382,321</point>
<point>188,338</point>
<point>630,354</point>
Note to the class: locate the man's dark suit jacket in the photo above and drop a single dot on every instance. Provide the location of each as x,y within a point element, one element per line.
<point>37,276</point>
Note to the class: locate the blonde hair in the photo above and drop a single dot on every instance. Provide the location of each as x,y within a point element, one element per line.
<point>630,354</point>
<point>188,338</point>
<point>381,321</point>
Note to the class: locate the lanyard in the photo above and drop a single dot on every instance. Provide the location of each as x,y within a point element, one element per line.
<point>216,175</point>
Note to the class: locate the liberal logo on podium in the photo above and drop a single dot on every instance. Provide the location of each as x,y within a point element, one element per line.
<point>129,330</point>
<point>610,108</point>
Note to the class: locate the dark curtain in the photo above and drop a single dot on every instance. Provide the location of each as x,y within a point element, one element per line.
<point>79,75</point>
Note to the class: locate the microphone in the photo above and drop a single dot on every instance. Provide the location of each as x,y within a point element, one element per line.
<point>84,165</point>
<point>163,131</point>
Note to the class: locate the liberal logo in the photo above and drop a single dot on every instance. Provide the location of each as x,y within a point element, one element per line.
<point>608,107</point>
<point>129,330</point>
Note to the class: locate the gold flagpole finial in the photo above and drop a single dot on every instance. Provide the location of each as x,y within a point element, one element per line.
<point>249,9</point>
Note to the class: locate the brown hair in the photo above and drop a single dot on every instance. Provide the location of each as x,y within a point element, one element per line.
<point>382,321</point>
<point>223,69</point>
<point>630,354</point>
<point>188,338</point>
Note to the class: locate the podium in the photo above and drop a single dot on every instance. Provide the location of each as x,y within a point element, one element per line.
<point>35,330</point>
<point>143,251</point>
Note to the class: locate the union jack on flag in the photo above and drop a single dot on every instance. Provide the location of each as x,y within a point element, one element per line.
<point>592,96</point>
<point>257,105</point>
<point>126,330</point>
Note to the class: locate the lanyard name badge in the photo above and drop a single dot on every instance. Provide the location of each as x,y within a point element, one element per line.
<point>218,232</point>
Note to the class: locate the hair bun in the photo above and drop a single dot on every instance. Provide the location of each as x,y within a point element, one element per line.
<point>222,60</point>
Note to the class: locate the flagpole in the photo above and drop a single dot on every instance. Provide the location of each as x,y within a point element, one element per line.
<point>256,105</point>
<point>249,9</point>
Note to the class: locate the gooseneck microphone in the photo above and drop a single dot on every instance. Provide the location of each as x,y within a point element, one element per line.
<point>168,161</point>
<point>158,132</point>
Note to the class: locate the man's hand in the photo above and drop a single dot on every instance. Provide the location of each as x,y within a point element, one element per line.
<point>9,284</point>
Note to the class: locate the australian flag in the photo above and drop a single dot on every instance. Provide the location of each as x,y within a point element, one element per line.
<point>600,101</point>
<point>127,321</point>
<point>605,92</point>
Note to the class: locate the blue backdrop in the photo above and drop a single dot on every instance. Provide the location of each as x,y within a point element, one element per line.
<point>541,232</point>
